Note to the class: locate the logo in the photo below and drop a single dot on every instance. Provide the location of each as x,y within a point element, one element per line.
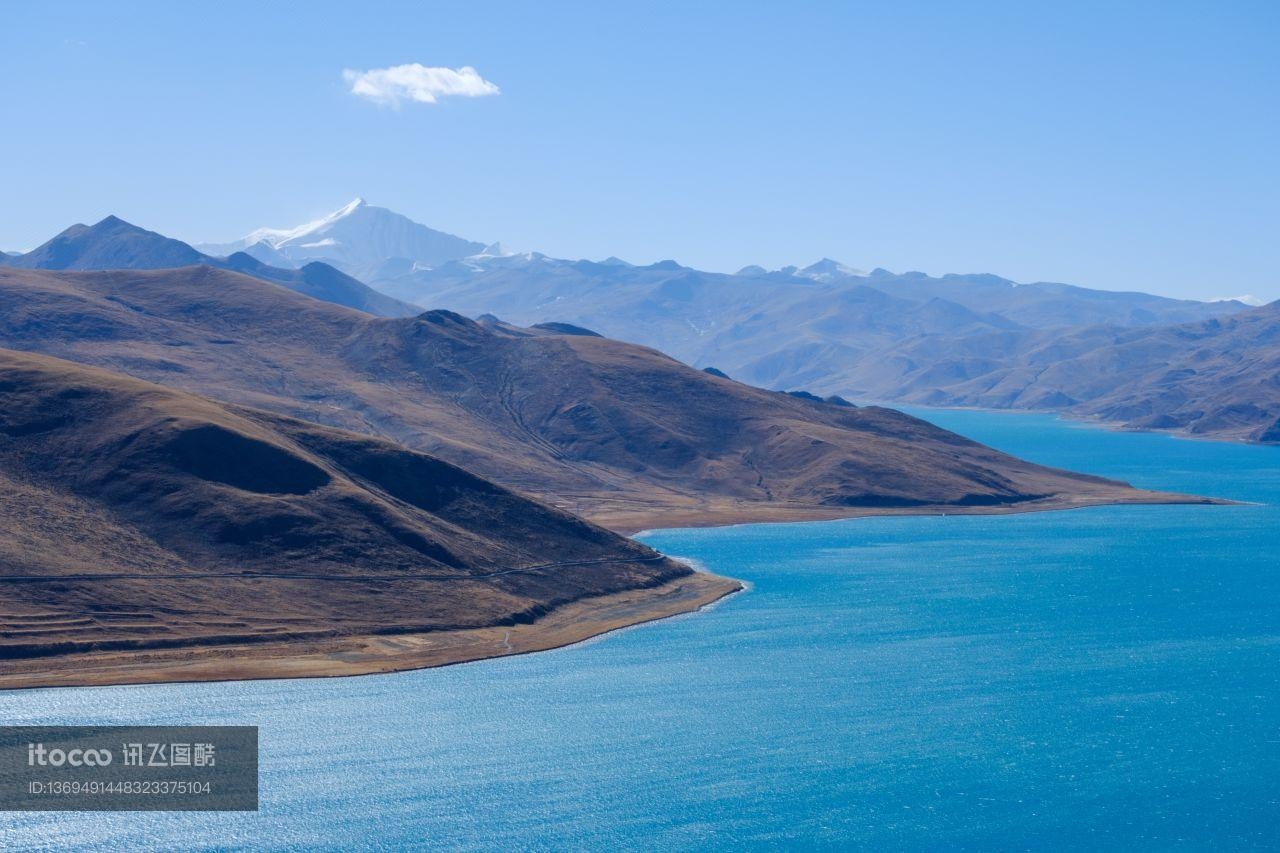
<point>128,768</point>
<point>37,755</point>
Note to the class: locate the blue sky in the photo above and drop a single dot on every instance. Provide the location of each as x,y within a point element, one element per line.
<point>1115,145</point>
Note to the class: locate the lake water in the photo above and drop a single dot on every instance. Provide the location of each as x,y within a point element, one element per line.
<point>1102,678</point>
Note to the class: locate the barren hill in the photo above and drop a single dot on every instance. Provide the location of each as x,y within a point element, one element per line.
<point>615,432</point>
<point>145,524</point>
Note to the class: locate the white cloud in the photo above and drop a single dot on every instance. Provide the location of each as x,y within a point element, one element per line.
<point>417,83</point>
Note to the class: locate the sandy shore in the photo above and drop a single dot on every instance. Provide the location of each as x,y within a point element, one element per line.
<point>364,655</point>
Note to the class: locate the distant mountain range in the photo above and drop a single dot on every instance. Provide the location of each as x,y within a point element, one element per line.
<point>973,340</point>
<point>116,244</point>
<point>954,340</point>
<point>431,268</point>
<point>827,327</point>
<point>779,330</point>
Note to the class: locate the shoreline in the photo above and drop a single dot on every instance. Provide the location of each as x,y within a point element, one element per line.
<point>569,624</point>
<point>374,654</point>
<point>1088,420</point>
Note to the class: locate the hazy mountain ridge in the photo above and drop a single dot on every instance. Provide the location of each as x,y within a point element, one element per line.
<point>949,340</point>
<point>1219,377</point>
<point>109,244</point>
<point>880,337</point>
<point>116,244</point>
<point>1037,305</point>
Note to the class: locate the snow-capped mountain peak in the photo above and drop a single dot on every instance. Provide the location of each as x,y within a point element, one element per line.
<point>1246,299</point>
<point>827,270</point>
<point>277,237</point>
<point>360,239</point>
<point>494,250</point>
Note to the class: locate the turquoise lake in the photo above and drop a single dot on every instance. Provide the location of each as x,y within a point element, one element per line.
<point>1105,678</point>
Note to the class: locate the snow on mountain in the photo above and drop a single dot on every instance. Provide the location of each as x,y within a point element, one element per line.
<point>268,254</point>
<point>827,270</point>
<point>359,239</point>
<point>278,237</point>
<point>1246,299</point>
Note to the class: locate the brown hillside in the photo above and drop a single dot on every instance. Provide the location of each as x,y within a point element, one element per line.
<point>612,431</point>
<point>140,519</point>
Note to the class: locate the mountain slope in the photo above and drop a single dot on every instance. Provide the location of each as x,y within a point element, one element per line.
<point>1220,377</point>
<point>615,432</point>
<point>358,239</point>
<point>323,282</point>
<point>169,522</point>
<point>116,244</point>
